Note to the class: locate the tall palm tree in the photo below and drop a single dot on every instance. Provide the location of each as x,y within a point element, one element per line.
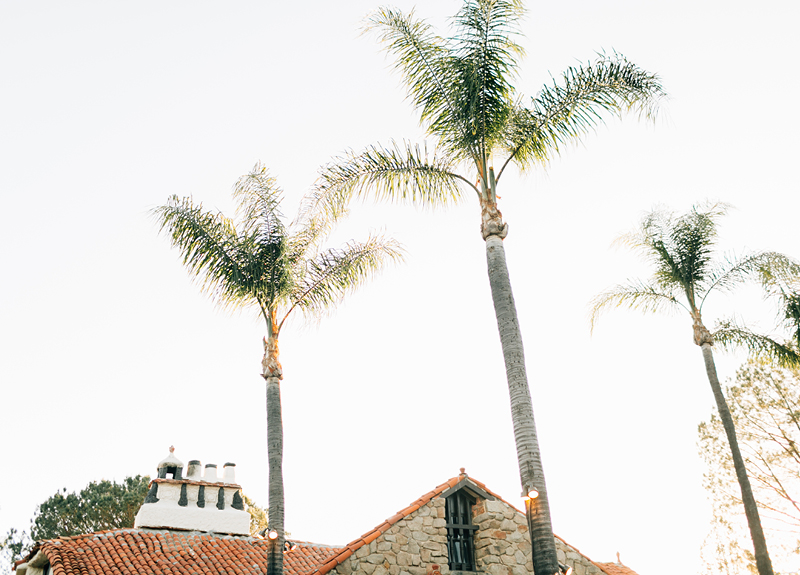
<point>259,262</point>
<point>681,251</point>
<point>462,88</point>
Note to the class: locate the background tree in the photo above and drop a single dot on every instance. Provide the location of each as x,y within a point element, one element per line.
<point>257,261</point>
<point>462,87</point>
<point>681,251</point>
<point>100,506</point>
<point>765,407</point>
<point>259,516</point>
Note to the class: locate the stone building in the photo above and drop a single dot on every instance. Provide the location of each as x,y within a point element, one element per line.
<point>196,524</point>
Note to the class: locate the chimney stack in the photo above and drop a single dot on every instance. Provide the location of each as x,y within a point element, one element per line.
<point>192,503</point>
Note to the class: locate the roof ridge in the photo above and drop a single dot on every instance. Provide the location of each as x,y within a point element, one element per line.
<point>374,533</point>
<point>595,563</point>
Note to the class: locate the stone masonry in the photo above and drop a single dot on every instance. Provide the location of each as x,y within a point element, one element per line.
<point>417,545</point>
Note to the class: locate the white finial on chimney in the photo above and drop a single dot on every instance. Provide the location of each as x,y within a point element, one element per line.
<point>170,465</point>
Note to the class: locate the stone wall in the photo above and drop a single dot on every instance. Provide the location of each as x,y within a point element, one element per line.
<point>410,547</point>
<point>417,545</point>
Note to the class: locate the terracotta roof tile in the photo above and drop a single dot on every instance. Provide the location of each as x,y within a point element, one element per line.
<point>146,552</point>
<point>616,569</point>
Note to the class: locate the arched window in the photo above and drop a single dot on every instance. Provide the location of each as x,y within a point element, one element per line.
<point>460,546</point>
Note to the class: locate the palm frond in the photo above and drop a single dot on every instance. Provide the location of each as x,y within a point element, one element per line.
<point>729,335</point>
<point>768,268</point>
<point>484,60</point>
<point>319,212</point>
<point>334,273</point>
<point>211,249</point>
<point>567,110</point>
<point>423,59</point>
<point>258,197</point>
<point>639,296</point>
<point>791,313</point>
<point>396,173</point>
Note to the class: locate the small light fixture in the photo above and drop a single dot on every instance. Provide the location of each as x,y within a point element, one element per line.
<point>530,492</point>
<point>273,535</point>
<point>565,569</point>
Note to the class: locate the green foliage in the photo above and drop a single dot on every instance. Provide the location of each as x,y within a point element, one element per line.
<point>259,516</point>
<point>14,546</point>
<point>256,260</point>
<point>791,304</point>
<point>765,405</point>
<point>99,506</point>
<point>462,87</point>
<point>686,270</point>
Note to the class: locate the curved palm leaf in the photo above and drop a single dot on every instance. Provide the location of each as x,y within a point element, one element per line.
<point>640,296</point>
<point>336,272</point>
<point>212,252</point>
<point>730,335</point>
<point>565,112</point>
<point>423,59</point>
<point>258,197</point>
<point>766,267</point>
<point>396,173</point>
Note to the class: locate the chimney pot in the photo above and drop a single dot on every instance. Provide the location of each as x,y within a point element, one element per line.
<point>229,473</point>
<point>210,475</point>
<point>195,473</point>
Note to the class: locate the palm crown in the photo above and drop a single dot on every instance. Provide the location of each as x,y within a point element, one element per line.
<point>686,271</point>
<point>256,260</point>
<point>462,88</point>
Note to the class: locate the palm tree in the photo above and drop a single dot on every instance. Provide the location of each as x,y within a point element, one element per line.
<point>681,251</point>
<point>467,103</point>
<point>259,262</point>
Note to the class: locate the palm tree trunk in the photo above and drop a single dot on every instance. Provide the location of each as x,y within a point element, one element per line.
<point>763,562</point>
<point>545,560</point>
<point>272,374</point>
<point>275,457</point>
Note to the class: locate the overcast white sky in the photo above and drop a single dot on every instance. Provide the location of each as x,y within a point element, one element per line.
<point>109,354</point>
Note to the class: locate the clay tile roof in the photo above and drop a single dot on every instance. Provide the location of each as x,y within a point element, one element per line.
<point>373,534</point>
<point>306,556</point>
<point>146,552</point>
<point>616,569</point>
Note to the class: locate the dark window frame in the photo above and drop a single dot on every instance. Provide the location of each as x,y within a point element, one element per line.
<point>460,531</point>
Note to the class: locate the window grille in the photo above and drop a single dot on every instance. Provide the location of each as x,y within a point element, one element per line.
<point>460,546</point>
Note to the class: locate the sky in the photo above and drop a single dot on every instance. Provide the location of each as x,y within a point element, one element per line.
<point>109,353</point>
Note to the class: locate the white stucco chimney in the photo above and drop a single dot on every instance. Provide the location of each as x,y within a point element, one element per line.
<point>192,503</point>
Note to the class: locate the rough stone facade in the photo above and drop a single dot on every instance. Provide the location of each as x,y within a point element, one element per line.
<point>417,545</point>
